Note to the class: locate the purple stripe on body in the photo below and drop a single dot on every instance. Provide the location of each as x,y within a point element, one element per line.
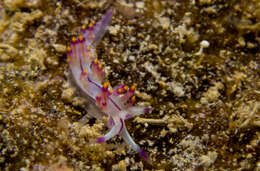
<point>114,103</point>
<point>94,83</point>
<point>122,125</point>
<point>80,63</point>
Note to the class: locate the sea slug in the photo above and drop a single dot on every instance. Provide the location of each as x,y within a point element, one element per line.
<point>116,103</point>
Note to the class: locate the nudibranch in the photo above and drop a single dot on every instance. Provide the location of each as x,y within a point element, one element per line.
<point>87,71</point>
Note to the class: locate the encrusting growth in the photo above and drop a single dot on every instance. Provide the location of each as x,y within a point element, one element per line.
<point>88,73</point>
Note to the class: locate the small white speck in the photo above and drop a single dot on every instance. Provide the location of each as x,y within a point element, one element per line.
<point>204,43</point>
<point>131,58</point>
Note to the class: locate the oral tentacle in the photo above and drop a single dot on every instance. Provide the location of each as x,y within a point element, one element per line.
<point>116,129</point>
<point>127,138</point>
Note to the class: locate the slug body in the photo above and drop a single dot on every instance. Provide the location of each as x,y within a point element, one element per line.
<point>116,103</point>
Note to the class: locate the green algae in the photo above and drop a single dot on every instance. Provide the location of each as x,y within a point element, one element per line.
<point>205,105</point>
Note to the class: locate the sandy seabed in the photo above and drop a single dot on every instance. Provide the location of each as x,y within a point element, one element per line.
<point>196,63</point>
